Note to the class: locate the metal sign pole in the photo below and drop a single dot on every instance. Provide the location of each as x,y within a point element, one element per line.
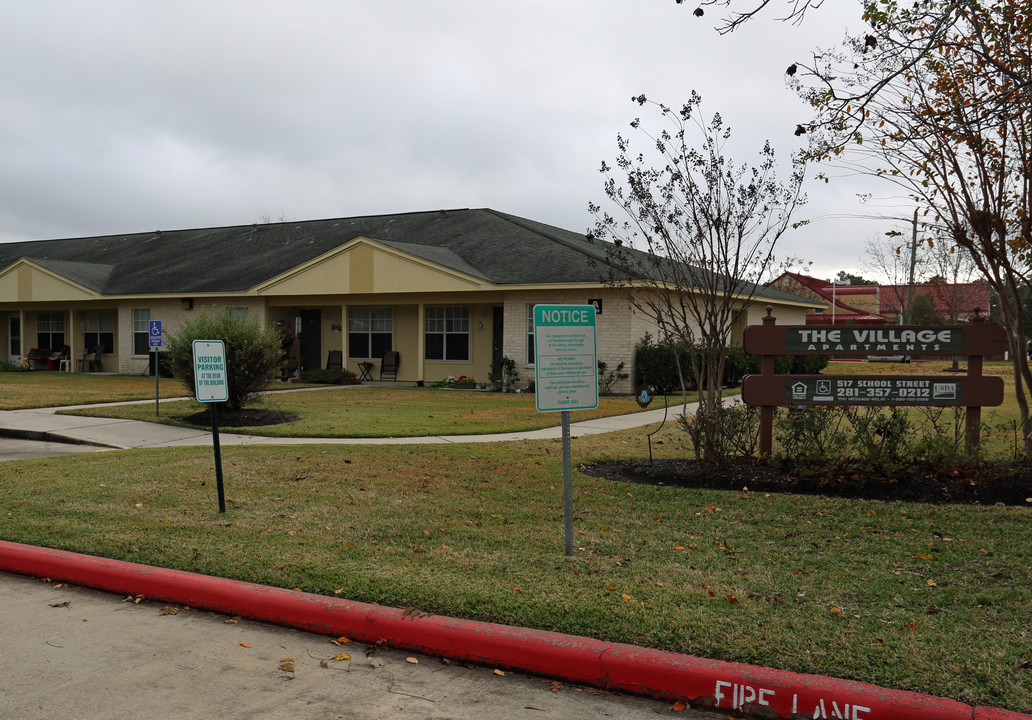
<point>567,483</point>
<point>157,374</point>
<point>218,455</point>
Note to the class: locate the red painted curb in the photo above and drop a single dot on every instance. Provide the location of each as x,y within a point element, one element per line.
<point>749,689</point>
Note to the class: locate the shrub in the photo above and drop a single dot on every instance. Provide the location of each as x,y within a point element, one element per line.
<point>608,378</point>
<point>11,367</point>
<point>336,376</point>
<point>503,376</point>
<point>656,364</point>
<point>253,355</point>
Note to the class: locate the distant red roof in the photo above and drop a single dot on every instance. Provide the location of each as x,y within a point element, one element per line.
<point>961,298</point>
<point>832,293</point>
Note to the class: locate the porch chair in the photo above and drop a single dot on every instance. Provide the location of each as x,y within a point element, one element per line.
<point>389,364</point>
<point>335,360</point>
<point>91,360</point>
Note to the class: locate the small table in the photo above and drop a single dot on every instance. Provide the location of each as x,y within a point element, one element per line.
<point>364,369</point>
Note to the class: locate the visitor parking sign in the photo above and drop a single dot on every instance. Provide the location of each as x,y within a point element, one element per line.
<point>565,358</point>
<point>210,378</point>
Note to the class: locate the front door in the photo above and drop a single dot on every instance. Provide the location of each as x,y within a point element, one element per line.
<point>311,339</point>
<point>497,335</point>
<point>14,339</point>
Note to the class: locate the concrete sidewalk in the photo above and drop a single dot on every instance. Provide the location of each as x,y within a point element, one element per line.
<point>45,424</point>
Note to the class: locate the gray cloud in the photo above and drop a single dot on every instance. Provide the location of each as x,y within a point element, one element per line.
<point>118,116</point>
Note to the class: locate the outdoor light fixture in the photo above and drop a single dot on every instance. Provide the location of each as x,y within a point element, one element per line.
<point>186,303</point>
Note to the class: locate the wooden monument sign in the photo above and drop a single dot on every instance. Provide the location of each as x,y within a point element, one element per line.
<point>971,391</point>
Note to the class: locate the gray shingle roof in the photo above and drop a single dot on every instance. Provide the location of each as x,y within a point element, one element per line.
<point>502,249</point>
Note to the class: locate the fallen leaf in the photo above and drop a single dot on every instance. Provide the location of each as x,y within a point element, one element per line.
<point>625,596</point>
<point>287,665</point>
<point>246,645</point>
<point>732,598</point>
<point>412,660</point>
<point>836,611</point>
<point>323,664</point>
<point>931,583</point>
<point>168,610</point>
<point>679,706</point>
<point>66,603</point>
<point>376,662</point>
<point>233,621</point>
<point>340,657</point>
<point>555,686</point>
<point>678,547</point>
<point>341,641</point>
<point>499,673</point>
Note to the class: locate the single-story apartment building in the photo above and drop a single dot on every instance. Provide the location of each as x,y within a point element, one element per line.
<point>451,291</point>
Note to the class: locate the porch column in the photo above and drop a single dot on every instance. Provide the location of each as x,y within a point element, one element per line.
<point>420,341</point>
<point>344,336</point>
<point>73,337</point>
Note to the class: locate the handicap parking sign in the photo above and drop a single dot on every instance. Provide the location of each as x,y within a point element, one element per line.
<point>155,333</point>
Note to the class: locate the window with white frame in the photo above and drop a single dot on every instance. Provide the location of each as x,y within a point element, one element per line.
<point>237,313</point>
<point>447,332</point>
<point>370,332</point>
<point>530,335</point>
<point>98,329</point>
<point>50,330</point>
<point>141,331</point>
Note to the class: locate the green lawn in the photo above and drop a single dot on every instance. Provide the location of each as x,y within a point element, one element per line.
<point>384,411</point>
<point>20,390</point>
<point>921,597</point>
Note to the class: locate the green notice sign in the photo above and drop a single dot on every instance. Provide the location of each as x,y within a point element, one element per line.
<point>565,358</point>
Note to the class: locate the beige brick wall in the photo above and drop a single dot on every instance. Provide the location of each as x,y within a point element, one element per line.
<point>614,328</point>
<point>171,313</point>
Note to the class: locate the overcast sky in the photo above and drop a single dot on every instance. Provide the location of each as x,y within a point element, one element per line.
<point>121,116</point>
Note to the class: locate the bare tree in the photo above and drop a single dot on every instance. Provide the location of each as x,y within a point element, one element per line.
<point>698,240</point>
<point>736,17</point>
<point>901,259</point>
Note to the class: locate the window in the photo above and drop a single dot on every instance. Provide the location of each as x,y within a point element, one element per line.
<point>141,332</point>
<point>530,335</point>
<point>237,313</point>
<point>50,330</point>
<point>447,333</point>
<point>370,331</point>
<point>98,328</point>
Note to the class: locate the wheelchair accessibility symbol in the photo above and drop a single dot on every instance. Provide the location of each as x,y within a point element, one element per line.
<point>155,333</point>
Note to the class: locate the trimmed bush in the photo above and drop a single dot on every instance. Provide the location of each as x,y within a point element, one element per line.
<point>253,355</point>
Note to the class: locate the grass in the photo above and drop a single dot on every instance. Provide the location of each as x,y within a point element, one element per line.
<point>927,598</point>
<point>385,411</point>
<point>19,390</point>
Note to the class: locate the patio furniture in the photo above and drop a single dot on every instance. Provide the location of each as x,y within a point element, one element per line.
<point>364,370</point>
<point>389,364</point>
<point>38,356</point>
<point>91,360</point>
<point>335,360</point>
<point>60,359</point>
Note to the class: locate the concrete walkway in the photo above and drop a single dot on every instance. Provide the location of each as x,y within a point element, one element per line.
<point>45,424</point>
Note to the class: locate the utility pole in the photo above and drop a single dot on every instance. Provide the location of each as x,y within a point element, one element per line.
<point>908,313</point>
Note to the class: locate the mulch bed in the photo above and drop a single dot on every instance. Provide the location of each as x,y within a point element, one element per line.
<point>248,417</point>
<point>972,484</point>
